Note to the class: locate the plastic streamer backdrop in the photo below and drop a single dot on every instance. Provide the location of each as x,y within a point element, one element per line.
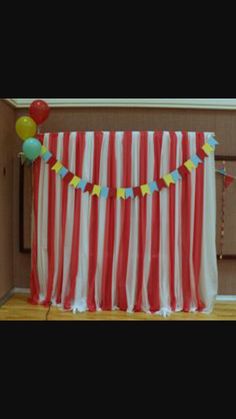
<point>125,220</point>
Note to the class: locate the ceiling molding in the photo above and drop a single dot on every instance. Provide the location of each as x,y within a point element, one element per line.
<point>228,104</point>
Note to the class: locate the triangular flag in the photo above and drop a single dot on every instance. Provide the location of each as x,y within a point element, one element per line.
<point>168,180</point>
<point>47,156</point>
<point>208,149</point>
<point>82,185</point>
<point>153,186</point>
<point>145,190</point>
<point>121,193</point>
<point>212,141</point>
<point>104,192</point>
<point>196,160</point>
<point>43,150</point>
<point>228,180</point>
<point>75,181</point>
<point>221,171</point>
<point>63,172</point>
<point>176,176</point>
<point>57,167</point>
<point>190,165</point>
<point>129,193</point>
<point>96,190</point>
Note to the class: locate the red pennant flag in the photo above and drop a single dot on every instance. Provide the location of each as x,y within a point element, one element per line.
<point>52,161</point>
<point>228,181</point>
<point>137,191</point>
<point>202,154</point>
<point>68,178</point>
<point>89,187</point>
<point>183,171</point>
<point>161,184</point>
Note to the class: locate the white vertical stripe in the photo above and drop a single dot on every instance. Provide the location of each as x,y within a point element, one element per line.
<point>119,168</point>
<point>209,274</point>
<point>102,220</point>
<point>58,206</point>
<point>43,226</point>
<point>164,228</point>
<point>147,254</point>
<point>193,149</point>
<point>69,219</point>
<point>81,292</point>
<point>134,230</point>
<point>178,229</point>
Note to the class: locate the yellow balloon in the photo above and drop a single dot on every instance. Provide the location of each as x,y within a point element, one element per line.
<point>26,127</point>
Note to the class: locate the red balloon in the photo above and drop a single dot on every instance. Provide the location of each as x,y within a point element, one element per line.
<point>39,111</point>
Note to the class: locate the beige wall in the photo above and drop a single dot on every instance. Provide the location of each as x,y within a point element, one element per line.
<point>7,133</point>
<point>223,123</point>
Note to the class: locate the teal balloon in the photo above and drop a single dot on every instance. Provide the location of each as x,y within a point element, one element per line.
<point>32,148</point>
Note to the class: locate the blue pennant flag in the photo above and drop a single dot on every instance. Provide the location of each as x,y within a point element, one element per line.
<point>63,172</point>
<point>176,176</point>
<point>196,160</point>
<point>47,156</point>
<point>221,171</point>
<point>212,141</point>
<point>104,192</point>
<point>153,186</point>
<point>82,185</point>
<point>129,193</point>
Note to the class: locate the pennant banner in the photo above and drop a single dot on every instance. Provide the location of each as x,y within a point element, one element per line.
<point>137,191</point>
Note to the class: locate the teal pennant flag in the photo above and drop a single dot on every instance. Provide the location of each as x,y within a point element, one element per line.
<point>196,160</point>
<point>212,141</point>
<point>47,156</point>
<point>153,186</point>
<point>129,193</point>
<point>176,176</point>
<point>82,185</point>
<point>63,172</point>
<point>104,192</point>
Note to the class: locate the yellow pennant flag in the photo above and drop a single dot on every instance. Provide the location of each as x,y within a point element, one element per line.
<point>190,165</point>
<point>145,190</point>
<point>75,181</point>
<point>208,149</point>
<point>121,193</point>
<point>57,167</point>
<point>96,190</point>
<point>168,179</point>
<point>43,150</point>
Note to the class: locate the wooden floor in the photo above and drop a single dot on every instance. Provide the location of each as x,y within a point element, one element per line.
<point>17,308</point>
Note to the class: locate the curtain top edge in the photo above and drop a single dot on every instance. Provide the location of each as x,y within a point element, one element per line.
<point>125,131</point>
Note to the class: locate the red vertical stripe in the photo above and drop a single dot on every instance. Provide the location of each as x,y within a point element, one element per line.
<point>154,276</point>
<point>74,263</point>
<point>125,224</point>
<point>186,227</point>
<point>51,220</point>
<point>198,224</point>
<point>109,238</point>
<point>172,193</point>
<point>142,220</point>
<point>64,200</point>
<point>94,219</point>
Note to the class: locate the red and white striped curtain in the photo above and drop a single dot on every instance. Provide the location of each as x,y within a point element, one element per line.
<point>154,253</point>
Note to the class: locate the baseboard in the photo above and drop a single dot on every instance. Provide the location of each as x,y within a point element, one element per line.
<point>21,291</point>
<point>226,298</point>
<point>6,297</point>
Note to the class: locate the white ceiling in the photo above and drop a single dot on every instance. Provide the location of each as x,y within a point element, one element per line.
<point>161,103</point>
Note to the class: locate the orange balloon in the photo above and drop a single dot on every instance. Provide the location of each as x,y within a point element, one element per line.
<point>26,127</point>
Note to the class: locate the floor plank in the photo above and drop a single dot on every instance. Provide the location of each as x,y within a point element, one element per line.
<point>17,308</point>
